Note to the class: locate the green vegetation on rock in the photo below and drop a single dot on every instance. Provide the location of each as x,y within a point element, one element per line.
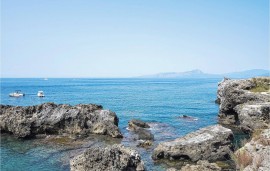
<point>262,84</point>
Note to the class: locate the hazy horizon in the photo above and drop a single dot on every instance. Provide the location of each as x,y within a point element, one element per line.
<point>120,39</point>
<point>143,76</point>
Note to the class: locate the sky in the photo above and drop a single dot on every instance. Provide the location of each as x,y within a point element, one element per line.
<point>126,38</point>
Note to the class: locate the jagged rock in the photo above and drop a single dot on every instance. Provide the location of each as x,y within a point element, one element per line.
<point>253,116</point>
<point>140,128</point>
<point>190,118</point>
<point>111,158</point>
<point>50,118</point>
<point>201,165</point>
<point>145,144</point>
<point>134,123</point>
<point>210,143</point>
<point>233,94</point>
<point>255,155</point>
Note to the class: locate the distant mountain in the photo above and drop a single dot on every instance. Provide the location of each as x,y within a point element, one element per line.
<point>199,74</point>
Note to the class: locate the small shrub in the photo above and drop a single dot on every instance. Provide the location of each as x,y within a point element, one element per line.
<point>262,85</point>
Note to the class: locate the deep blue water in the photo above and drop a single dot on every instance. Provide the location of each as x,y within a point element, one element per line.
<point>159,101</point>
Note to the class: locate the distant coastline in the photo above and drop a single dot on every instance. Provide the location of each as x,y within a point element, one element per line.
<point>200,74</point>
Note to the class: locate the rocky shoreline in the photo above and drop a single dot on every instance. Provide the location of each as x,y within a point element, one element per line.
<point>53,119</point>
<point>243,105</point>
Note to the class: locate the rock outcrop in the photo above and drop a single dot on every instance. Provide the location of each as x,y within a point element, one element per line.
<point>140,128</point>
<point>210,143</point>
<point>253,116</point>
<point>145,143</point>
<point>134,123</point>
<point>255,155</point>
<point>50,118</point>
<point>201,165</point>
<point>111,158</point>
<point>244,102</point>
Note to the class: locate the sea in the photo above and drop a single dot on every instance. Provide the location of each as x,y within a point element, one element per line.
<point>161,102</point>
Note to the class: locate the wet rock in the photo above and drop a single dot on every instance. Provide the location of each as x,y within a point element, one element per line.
<point>140,129</point>
<point>134,123</point>
<point>145,143</point>
<point>111,158</point>
<point>255,154</point>
<point>144,134</point>
<point>210,143</point>
<point>50,118</point>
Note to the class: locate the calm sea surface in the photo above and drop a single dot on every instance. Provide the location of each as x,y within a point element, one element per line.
<point>158,101</point>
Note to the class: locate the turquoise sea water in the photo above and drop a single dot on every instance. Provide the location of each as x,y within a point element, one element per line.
<point>158,101</point>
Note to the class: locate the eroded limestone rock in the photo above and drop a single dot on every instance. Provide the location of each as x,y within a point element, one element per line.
<point>111,158</point>
<point>50,118</point>
<point>210,143</point>
<point>255,155</point>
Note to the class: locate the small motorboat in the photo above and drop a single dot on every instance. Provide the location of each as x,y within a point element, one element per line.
<point>17,93</point>
<point>40,94</point>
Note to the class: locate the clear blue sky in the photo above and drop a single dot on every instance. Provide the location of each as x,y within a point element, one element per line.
<point>113,38</point>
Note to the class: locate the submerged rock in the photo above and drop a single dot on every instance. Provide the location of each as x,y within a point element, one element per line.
<point>190,118</point>
<point>111,158</point>
<point>210,143</point>
<point>50,118</point>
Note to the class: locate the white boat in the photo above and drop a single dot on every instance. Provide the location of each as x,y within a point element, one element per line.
<point>17,93</point>
<point>40,94</point>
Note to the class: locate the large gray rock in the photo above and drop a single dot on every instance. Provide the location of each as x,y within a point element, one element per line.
<point>253,116</point>
<point>111,158</point>
<point>210,143</point>
<point>233,94</point>
<point>50,118</point>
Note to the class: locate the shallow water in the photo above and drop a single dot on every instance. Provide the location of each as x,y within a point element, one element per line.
<point>158,101</point>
